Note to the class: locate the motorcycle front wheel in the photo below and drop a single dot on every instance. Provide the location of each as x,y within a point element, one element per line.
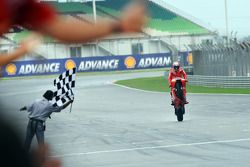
<point>179,113</point>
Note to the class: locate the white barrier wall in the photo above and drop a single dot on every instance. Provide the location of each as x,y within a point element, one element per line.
<point>119,46</point>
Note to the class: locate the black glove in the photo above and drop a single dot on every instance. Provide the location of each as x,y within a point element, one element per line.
<point>23,109</point>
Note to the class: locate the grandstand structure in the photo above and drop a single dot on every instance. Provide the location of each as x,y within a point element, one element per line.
<point>168,30</point>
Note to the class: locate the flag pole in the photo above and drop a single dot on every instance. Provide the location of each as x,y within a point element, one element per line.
<point>70,107</point>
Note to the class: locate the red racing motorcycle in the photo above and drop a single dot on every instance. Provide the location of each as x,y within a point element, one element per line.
<point>178,87</point>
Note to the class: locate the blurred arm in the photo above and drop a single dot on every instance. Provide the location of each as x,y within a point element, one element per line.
<point>7,58</point>
<point>26,46</point>
<point>73,30</point>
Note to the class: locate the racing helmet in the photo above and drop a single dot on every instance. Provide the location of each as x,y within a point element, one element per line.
<point>176,65</point>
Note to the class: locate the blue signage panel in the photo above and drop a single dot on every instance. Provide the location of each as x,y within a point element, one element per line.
<point>185,58</point>
<point>87,64</point>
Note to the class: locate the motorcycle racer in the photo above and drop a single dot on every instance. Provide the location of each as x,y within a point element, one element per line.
<point>177,72</point>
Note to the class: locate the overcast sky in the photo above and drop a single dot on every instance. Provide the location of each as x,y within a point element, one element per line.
<point>212,12</point>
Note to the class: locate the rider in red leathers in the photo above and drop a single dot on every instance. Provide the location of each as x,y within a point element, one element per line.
<point>177,71</point>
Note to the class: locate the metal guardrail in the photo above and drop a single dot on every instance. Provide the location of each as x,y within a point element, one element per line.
<point>220,81</point>
<point>217,81</point>
<point>222,60</point>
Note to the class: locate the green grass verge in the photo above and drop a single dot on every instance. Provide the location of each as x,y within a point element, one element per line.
<point>159,84</point>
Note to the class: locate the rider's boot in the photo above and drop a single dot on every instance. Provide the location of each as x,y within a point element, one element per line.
<point>172,100</point>
<point>185,100</point>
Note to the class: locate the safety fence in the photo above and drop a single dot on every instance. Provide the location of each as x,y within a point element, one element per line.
<point>219,81</point>
<point>222,59</point>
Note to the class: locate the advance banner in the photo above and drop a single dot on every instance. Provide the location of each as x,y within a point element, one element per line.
<point>87,64</point>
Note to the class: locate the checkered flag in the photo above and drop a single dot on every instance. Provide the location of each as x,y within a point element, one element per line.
<point>64,85</point>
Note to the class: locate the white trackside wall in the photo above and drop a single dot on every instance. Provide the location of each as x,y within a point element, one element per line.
<point>109,47</point>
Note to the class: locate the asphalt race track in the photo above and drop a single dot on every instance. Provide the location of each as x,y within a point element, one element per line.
<point>113,126</point>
